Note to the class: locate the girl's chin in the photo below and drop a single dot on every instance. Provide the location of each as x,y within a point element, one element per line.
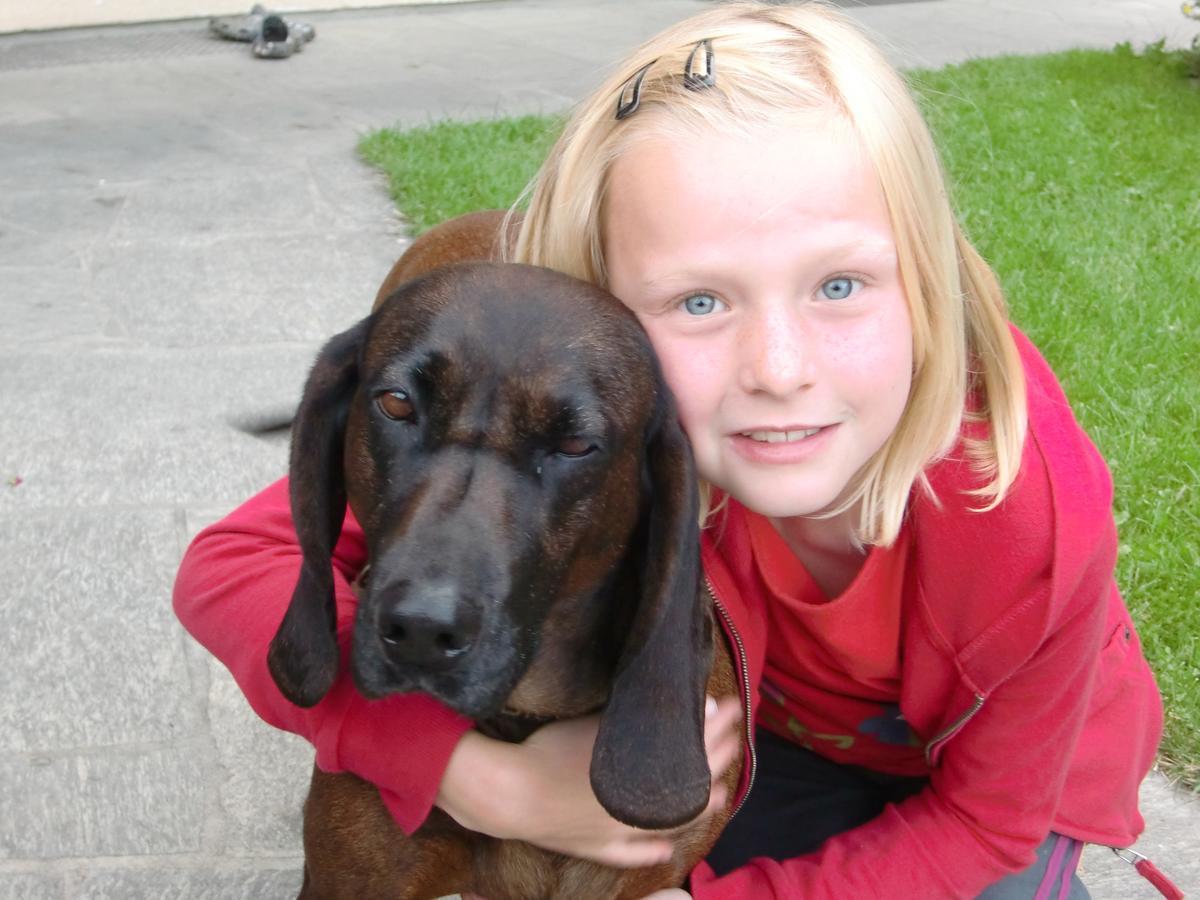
<point>768,497</point>
<point>772,508</point>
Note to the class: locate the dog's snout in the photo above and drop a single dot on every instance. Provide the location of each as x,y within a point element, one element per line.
<point>430,627</point>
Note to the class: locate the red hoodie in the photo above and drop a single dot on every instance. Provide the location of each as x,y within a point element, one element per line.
<point>1021,671</point>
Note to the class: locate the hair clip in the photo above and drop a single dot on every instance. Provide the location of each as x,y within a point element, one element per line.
<point>698,80</point>
<point>698,74</point>
<point>632,88</point>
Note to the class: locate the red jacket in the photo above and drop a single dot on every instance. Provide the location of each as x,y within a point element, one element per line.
<point>1021,670</point>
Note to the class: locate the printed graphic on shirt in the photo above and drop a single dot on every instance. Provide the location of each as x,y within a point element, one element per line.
<point>882,739</point>
<point>890,727</point>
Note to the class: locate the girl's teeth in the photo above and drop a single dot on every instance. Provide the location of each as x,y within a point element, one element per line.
<point>780,437</point>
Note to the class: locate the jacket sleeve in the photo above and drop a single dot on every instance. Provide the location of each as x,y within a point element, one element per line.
<point>233,586</point>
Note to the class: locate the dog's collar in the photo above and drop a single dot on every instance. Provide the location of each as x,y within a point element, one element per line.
<point>512,725</point>
<point>519,714</point>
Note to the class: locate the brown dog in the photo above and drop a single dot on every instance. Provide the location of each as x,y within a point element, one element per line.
<point>505,438</point>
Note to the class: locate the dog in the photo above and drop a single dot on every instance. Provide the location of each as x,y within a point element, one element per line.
<point>505,438</point>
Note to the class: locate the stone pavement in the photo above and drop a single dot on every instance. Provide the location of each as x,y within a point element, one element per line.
<point>181,226</point>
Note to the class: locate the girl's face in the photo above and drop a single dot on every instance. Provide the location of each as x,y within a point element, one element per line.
<point>765,273</point>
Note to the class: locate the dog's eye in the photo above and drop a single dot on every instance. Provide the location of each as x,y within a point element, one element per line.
<point>395,405</point>
<point>574,446</point>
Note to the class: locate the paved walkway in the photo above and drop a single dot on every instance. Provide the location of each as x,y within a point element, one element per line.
<point>180,228</point>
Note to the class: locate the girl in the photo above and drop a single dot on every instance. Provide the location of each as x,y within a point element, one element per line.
<point>911,534</point>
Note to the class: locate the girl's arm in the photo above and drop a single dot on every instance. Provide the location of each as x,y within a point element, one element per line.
<point>233,586</point>
<point>539,791</point>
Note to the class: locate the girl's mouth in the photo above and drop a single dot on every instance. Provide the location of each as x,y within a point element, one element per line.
<point>792,445</point>
<point>781,437</point>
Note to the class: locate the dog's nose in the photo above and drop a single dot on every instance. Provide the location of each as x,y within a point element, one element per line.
<point>429,627</point>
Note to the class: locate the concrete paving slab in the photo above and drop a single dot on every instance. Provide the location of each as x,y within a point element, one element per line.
<point>81,607</point>
<point>1171,840</point>
<point>32,886</point>
<point>236,290</point>
<point>264,774</point>
<point>49,303</point>
<point>277,201</point>
<point>189,884</point>
<point>129,801</point>
<point>111,427</point>
<point>939,32</point>
<point>42,227</point>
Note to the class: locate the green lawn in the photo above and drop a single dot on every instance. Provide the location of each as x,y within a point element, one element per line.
<point>449,168</point>
<point>1078,177</point>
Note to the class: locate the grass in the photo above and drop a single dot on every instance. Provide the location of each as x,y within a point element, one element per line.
<point>449,168</point>
<point>1076,174</point>
<point>1072,175</point>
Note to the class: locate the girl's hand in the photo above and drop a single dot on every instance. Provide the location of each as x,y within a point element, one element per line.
<point>562,812</point>
<point>539,791</point>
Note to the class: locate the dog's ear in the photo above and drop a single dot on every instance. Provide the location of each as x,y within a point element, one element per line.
<point>303,657</point>
<point>649,768</point>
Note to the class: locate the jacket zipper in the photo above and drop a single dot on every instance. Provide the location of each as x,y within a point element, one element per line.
<point>952,729</point>
<point>746,695</point>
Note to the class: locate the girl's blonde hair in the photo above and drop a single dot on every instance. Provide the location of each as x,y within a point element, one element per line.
<point>776,64</point>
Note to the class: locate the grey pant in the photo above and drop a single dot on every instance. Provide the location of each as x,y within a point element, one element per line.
<point>1052,877</point>
<point>801,799</point>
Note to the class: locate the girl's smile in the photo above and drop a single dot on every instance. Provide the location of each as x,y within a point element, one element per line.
<point>781,446</point>
<point>765,272</point>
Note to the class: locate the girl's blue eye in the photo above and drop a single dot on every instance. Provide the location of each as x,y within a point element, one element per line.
<point>838,288</point>
<point>701,304</point>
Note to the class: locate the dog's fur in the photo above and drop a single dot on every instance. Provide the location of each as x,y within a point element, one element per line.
<point>504,436</point>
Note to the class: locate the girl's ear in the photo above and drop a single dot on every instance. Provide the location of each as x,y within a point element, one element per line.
<point>649,766</point>
<point>303,656</point>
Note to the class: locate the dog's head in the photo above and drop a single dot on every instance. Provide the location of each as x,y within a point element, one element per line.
<point>504,436</point>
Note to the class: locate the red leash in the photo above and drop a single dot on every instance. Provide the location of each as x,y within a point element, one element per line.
<point>1151,873</point>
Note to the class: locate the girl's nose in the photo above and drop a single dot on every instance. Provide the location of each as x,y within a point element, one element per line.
<point>777,356</point>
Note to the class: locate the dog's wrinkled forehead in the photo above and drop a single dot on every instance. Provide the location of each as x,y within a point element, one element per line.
<point>508,330</point>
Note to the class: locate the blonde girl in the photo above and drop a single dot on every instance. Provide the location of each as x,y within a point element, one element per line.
<point>908,532</point>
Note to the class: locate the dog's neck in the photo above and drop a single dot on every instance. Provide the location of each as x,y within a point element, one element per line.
<point>571,674</point>
<point>512,725</point>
